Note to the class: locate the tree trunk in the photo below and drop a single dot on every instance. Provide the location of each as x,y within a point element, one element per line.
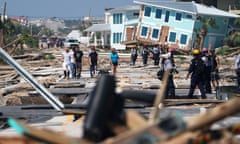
<point>203,34</point>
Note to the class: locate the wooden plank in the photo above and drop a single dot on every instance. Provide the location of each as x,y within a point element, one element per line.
<point>42,135</point>
<point>17,140</point>
<point>73,112</point>
<point>134,120</point>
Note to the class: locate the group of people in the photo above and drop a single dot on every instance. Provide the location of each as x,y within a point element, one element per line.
<point>73,60</point>
<point>146,52</point>
<point>204,71</point>
<point>72,63</point>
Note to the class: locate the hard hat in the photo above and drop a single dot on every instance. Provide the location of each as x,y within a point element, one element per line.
<point>205,49</point>
<point>170,49</point>
<point>196,51</point>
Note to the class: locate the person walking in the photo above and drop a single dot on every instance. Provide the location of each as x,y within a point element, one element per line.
<point>215,64</point>
<point>237,69</point>
<point>196,70</point>
<point>156,53</point>
<point>207,74</point>
<point>66,63</point>
<point>134,55</point>
<point>145,54</point>
<point>78,59</point>
<point>168,64</point>
<point>93,60</point>
<point>72,64</point>
<point>114,58</point>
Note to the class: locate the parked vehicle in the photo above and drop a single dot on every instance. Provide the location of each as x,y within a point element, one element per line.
<point>70,42</point>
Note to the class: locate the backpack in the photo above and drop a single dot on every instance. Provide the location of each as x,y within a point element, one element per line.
<point>160,74</point>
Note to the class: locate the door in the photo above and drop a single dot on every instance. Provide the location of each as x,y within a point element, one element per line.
<point>129,33</point>
<point>164,34</point>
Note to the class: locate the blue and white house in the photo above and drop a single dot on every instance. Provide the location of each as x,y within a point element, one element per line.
<point>119,26</point>
<point>123,21</point>
<point>176,23</point>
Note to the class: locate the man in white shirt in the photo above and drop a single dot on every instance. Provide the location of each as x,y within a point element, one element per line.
<point>66,62</point>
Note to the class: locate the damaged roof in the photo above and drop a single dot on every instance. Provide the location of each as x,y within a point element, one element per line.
<point>98,28</point>
<point>125,8</point>
<point>188,7</point>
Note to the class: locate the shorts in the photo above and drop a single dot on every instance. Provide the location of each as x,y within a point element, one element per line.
<point>78,65</point>
<point>115,63</point>
<point>214,76</point>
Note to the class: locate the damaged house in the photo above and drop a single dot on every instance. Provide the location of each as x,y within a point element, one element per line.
<point>181,25</point>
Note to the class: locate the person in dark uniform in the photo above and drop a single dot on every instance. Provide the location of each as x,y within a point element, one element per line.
<point>145,54</point>
<point>134,55</point>
<point>196,70</point>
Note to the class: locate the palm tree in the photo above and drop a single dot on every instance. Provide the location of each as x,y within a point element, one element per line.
<point>206,23</point>
<point>235,36</point>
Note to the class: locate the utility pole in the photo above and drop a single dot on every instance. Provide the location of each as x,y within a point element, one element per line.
<point>3,22</point>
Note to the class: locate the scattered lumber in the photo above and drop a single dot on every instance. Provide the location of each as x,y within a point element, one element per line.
<point>42,135</point>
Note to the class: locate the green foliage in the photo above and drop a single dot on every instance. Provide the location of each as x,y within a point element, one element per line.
<point>237,21</point>
<point>223,51</point>
<point>233,40</point>
<point>2,61</point>
<point>228,41</point>
<point>181,58</point>
<point>49,56</point>
<point>236,41</point>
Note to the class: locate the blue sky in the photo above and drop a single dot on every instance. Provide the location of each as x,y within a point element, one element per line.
<point>61,8</point>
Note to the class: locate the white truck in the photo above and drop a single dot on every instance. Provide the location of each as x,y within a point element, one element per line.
<point>70,42</point>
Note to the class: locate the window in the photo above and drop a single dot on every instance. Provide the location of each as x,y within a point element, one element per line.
<point>178,16</point>
<point>183,39</point>
<point>117,37</point>
<point>167,16</point>
<point>135,14</point>
<point>158,13</point>
<point>155,33</point>
<point>172,37</point>
<point>117,18</point>
<point>189,16</point>
<point>147,11</point>
<point>144,31</point>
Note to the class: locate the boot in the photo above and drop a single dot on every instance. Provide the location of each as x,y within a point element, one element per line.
<point>68,74</point>
<point>65,74</point>
<point>78,75</point>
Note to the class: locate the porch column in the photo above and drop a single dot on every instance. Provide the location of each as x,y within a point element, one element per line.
<point>102,38</point>
<point>95,40</point>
